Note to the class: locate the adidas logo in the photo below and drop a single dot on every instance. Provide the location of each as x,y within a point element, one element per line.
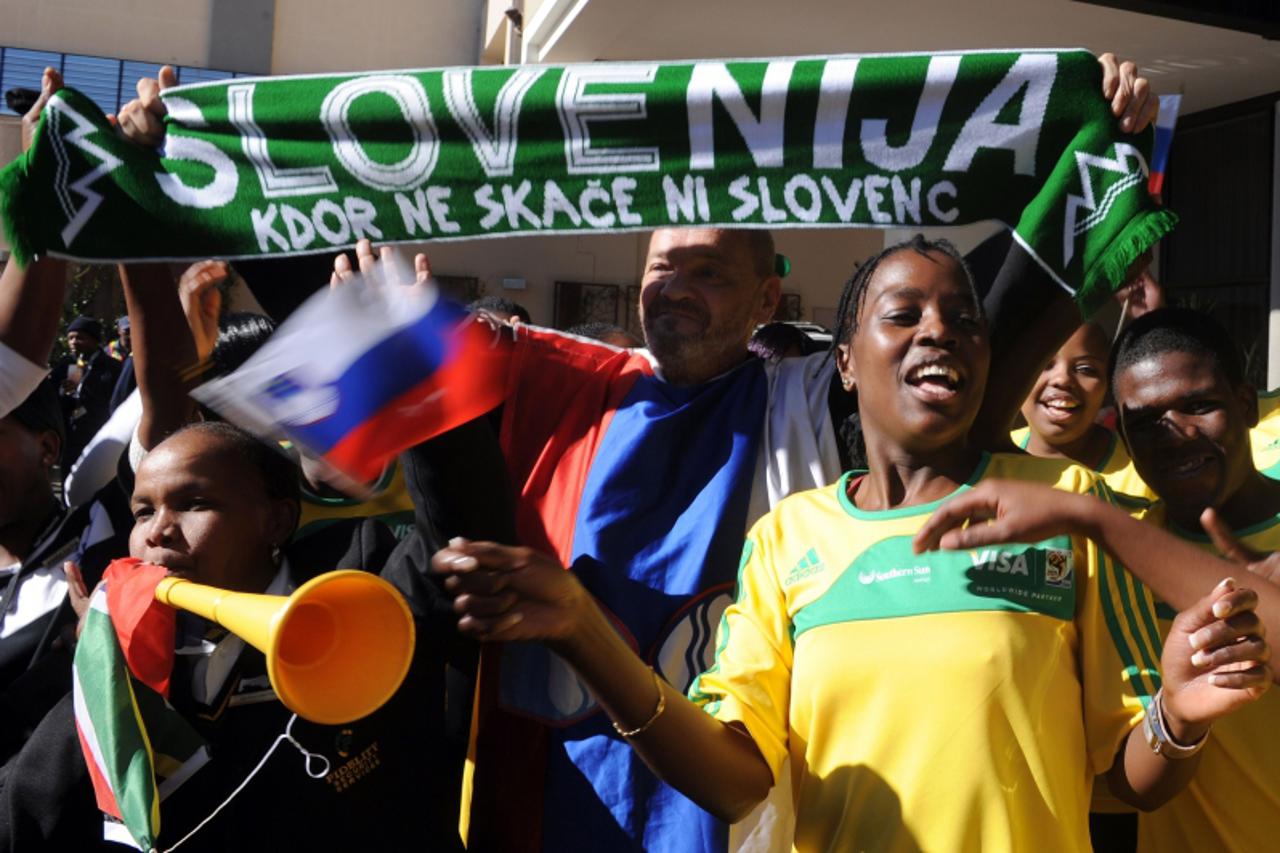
<point>810,564</point>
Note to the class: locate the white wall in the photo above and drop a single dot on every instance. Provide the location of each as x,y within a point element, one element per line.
<point>341,35</point>
<point>541,261</point>
<point>821,262</point>
<point>172,31</point>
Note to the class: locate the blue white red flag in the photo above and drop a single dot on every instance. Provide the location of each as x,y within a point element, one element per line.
<point>642,487</point>
<point>1165,122</point>
<point>362,372</point>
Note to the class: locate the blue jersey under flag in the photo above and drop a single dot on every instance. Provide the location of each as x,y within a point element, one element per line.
<point>657,540</point>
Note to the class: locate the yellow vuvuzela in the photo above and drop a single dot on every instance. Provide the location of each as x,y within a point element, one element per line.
<point>336,650</point>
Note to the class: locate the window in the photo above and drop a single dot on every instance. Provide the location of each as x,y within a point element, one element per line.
<point>109,83</point>
<point>633,325</point>
<point>463,289</point>
<point>790,310</point>
<point>580,302</point>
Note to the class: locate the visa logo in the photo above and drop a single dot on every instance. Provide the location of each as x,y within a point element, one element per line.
<point>994,560</point>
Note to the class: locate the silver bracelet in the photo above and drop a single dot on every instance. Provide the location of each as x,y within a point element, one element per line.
<point>1156,731</point>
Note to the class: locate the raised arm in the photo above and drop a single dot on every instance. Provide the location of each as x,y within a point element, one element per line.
<point>516,594</point>
<point>174,328</point>
<point>31,298</point>
<point>1176,571</point>
<point>31,306</point>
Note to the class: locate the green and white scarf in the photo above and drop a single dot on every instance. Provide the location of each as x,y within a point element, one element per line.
<point>290,165</point>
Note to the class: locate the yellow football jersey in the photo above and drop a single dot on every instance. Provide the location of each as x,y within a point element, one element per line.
<point>1265,437</point>
<point>1233,802</point>
<point>946,701</point>
<point>1116,469</point>
<point>389,503</point>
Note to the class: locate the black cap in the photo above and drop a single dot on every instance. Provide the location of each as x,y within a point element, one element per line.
<point>88,325</point>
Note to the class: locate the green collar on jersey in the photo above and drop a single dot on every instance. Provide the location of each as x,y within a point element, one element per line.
<point>842,494</point>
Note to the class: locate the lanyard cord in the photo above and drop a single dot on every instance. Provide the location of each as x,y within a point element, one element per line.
<point>287,735</point>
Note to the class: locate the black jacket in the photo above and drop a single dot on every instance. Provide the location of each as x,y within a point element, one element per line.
<point>394,777</point>
<point>89,407</point>
<point>35,667</point>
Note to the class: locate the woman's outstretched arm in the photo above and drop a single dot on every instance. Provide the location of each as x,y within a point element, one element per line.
<point>1176,571</point>
<point>516,594</point>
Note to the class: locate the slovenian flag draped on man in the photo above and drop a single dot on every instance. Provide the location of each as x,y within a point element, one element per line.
<point>136,746</point>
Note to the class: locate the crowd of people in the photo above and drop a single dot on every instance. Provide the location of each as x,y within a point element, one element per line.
<point>944,632</point>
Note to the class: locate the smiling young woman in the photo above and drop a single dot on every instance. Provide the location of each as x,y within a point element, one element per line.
<point>987,687</point>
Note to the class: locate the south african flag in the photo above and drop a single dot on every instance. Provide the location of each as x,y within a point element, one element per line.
<point>137,747</point>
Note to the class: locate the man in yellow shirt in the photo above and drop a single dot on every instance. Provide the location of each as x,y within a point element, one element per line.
<point>1187,412</point>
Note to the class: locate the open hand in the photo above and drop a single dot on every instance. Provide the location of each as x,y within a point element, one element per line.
<point>1016,511</point>
<point>1215,660</point>
<point>378,268</point>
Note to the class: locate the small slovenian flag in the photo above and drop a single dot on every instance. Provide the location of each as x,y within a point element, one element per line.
<point>1165,123</point>
<point>362,372</point>
<point>137,748</point>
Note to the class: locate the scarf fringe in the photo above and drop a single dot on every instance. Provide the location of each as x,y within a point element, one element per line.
<point>1109,273</point>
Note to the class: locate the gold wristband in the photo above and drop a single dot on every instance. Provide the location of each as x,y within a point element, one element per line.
<point>657,712</point>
